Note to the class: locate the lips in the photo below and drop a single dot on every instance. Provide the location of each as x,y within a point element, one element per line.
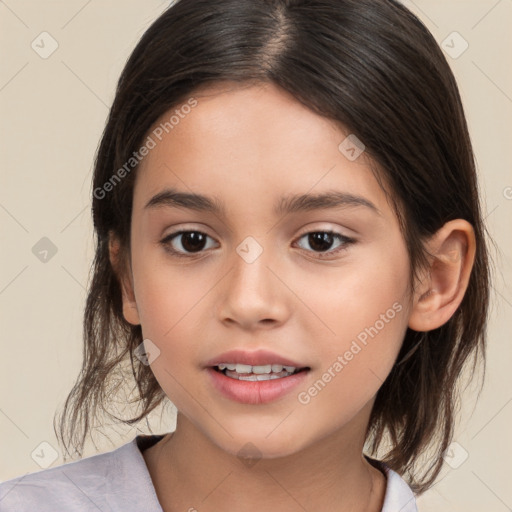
<point>256,377</point>
<point>254,358</point>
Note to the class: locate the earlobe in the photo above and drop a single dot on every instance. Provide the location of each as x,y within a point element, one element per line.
<point>130,312</point>
<point>443,285</point>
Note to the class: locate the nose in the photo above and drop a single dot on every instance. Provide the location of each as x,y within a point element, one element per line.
<point>252,295</point>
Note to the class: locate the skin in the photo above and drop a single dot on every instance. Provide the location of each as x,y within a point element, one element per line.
<point>248,146</point>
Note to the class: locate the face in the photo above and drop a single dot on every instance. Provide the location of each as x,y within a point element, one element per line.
<point>264,281</point>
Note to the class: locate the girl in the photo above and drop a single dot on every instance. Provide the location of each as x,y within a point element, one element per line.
<point>290,249</point>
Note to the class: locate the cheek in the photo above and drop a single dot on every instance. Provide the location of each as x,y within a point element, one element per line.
<point>353,364</point>
<point>363,312</point>
<point>353,296</point>
<point>167,301</point>
<point>166,293</point>
<point>168,306</point>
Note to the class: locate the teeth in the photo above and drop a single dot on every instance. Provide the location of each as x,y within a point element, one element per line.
<point>258,370</point>
<point>225,365</point>
<point>254,377</point>
<point>256,373</point>
<point>262,369</point>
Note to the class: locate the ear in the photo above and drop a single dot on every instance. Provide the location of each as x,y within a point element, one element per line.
<point>130,311</point>
<point>441,289</point>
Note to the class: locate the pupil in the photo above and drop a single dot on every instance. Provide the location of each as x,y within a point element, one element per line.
<point>193,241</point>
<point>320,241</point>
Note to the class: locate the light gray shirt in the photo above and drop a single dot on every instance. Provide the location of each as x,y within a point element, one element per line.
<point>119,481</point>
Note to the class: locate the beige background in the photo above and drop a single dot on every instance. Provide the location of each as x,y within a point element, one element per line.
<point>51,118</point>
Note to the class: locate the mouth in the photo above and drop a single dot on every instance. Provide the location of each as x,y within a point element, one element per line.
<point>255,377</point>
<point>247,372</point>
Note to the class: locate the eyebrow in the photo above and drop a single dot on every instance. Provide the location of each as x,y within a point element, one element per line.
<point>173,198</point>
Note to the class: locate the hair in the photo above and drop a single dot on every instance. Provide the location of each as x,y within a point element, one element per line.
<point>372,67</point>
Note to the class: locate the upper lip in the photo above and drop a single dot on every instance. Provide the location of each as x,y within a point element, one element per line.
<point>254,358</point>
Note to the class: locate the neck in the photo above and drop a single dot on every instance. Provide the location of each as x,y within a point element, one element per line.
<point>190,472</point>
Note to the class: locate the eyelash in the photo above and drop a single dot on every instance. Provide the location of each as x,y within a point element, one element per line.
<point>346,241</point>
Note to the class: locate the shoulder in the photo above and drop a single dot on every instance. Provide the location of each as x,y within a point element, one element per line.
<point>73,486</point>
<point>399,496</point>
<point>99,482</point>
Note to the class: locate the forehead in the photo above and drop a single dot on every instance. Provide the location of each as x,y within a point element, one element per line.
<point>250,143</point>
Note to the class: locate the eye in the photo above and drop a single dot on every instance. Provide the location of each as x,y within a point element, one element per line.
<point>321,241</point>
<point>185,243</point>
<point>189,243</point>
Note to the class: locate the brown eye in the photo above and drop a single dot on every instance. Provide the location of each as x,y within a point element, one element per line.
<point>183,243</point>
<point>321,241</point>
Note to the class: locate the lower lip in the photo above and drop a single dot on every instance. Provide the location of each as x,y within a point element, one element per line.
<point>255,392</point>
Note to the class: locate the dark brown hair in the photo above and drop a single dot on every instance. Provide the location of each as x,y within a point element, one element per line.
<point>374,68</point>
